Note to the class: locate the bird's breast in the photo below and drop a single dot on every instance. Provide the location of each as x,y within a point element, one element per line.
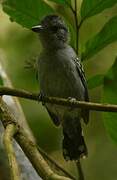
<point>59,78</point>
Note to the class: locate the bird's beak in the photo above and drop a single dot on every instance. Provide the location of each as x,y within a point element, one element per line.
<point>37,28</point>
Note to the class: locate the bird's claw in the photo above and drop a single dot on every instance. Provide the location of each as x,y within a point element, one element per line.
<point>41,98</point>
<point>71,99</point>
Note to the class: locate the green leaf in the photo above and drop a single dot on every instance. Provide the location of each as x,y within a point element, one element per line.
<point>63,2</point>
<point>107,35</point>
<point>91,7</point>
<point>95,81</point>
<point>27,12</point>
<point>110,96</point>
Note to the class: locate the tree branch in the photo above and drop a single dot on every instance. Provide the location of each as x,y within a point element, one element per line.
<point>59,101</point>
<point>28,146</point>
<point>31,151</point>
<point>24,138</point>
<point>8,135</point>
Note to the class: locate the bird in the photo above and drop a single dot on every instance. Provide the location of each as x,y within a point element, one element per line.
<point>60,74</point>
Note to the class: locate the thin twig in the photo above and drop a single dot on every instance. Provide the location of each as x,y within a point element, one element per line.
<point>56,165</point>
<point>8,135</point>
<point>70,6</point>
<point>80,24</point>
<point>59,101</point>
<point>78,164</point>
<point>79,169</point>
<point>76,24</point>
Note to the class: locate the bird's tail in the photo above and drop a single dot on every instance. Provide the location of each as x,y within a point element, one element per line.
<point>74,146</point>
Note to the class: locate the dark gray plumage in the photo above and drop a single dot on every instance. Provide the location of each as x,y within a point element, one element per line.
<point>61,75</point>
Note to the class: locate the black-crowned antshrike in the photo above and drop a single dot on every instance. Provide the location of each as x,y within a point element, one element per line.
<point>61,75</point>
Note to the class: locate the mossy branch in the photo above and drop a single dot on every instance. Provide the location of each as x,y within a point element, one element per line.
<point>28,146</point>
<point>8,137</point>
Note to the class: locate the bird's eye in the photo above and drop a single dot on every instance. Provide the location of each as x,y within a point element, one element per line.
<point>54,29</point>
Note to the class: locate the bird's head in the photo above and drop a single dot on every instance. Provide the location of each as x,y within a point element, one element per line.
<point>52,32</point>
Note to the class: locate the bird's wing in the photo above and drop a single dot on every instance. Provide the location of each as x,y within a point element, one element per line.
<point>80,70</point>
<point>54,118</point>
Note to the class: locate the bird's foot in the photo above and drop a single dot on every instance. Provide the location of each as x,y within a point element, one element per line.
<point>72,100</point>
<point>41,98</point>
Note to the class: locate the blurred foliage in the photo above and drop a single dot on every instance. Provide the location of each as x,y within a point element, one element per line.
<point>18,44</point>
<point>107,35</point>
<point>95,81</point>
<point>110,96</point>
<point>91,7</point>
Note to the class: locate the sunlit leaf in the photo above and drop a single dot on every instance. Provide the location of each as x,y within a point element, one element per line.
<point>95,81</point>
<point>107,35</point>
<point>91,7</point>
<point>110,96</point>
<point>28,12</point>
